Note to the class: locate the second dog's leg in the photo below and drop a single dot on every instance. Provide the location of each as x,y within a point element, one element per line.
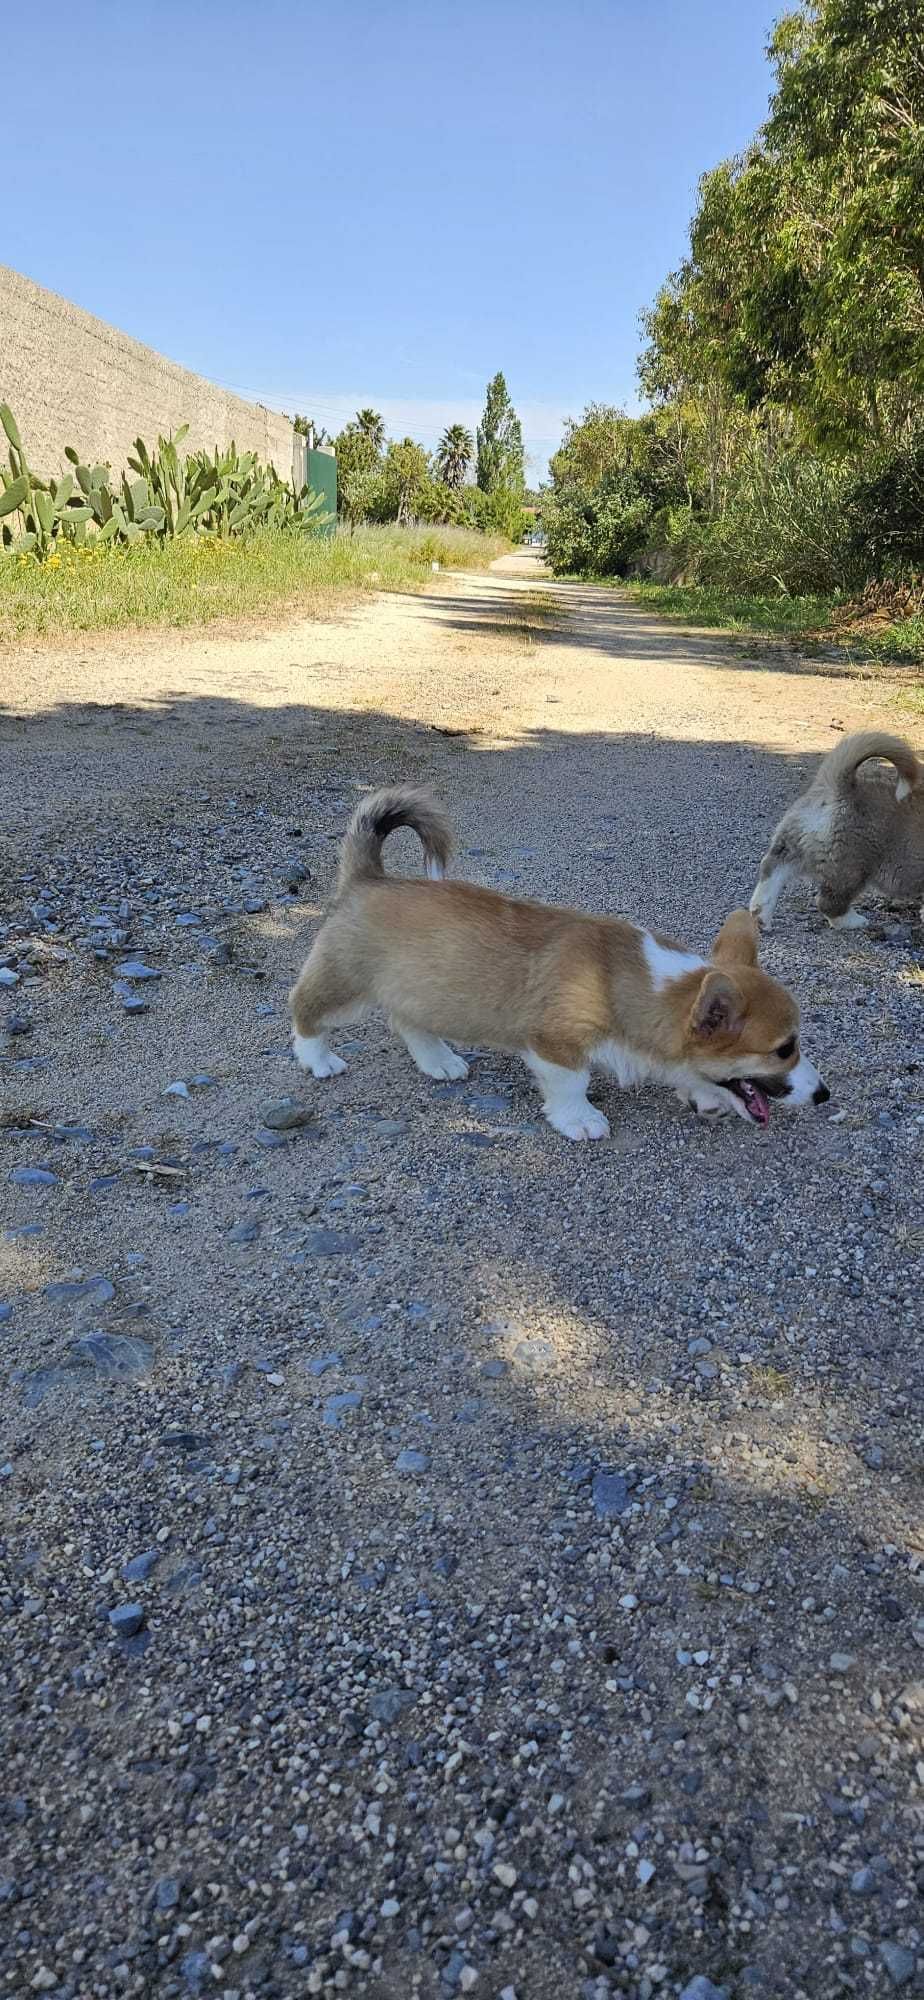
<point>775,872</point>
<point>432,1055</point>
<point>564,1099</point>
<point>835,901</point>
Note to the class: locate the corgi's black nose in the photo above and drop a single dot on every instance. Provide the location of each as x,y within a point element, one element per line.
<point>821,1095</point>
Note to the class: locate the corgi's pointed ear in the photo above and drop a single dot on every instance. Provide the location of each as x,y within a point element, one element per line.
<point>737,941</point>
<point>718,1008</point>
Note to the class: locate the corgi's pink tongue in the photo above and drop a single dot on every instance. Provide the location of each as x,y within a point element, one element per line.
<point>756,1104</point>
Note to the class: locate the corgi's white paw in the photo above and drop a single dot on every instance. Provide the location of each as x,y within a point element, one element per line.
<point>447,1068</point>
<point>312,1052</point>
<point>433,1056</point>
<point>705,1102</point>
<point>582,1121</point>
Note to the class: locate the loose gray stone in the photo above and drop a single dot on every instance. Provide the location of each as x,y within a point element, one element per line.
<point>135,968</point>
<point>33,1177</point>
<point>412,1461</point>
<point>244,1232</point>
<point>389,1703</point>
<point>330,1243</point>
<point>126,1620</point>
<point>99,1289</point>
<point>912,1699</point>
<point>102,1355</point>
<point>139,1568</point>
<point>320,1363</point>
<point>335,1406</point>
<point>609,1493</point>
<point>899,1962</point>
<point>701,1988</point>
<point>295,872</point>
<point>534,1355</point>
<point>196,1968</point>
<point>282,1115</point>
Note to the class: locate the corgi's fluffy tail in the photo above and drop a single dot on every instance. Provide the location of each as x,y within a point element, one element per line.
<point>381,814</point>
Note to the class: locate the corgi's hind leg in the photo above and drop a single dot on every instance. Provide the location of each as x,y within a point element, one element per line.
<point>324,996</point>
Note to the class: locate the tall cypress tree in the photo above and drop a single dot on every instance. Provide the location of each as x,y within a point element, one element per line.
<point>500,442</point>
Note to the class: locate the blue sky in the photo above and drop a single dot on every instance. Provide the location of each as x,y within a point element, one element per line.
<point>376,203</point>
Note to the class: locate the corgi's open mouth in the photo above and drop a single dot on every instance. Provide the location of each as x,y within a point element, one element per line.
<point>755,1100</point>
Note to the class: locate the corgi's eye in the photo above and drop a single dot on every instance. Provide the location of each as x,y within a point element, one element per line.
<point>786,1049</point>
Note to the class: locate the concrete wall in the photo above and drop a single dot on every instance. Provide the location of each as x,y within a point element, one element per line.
<point>71,379</point>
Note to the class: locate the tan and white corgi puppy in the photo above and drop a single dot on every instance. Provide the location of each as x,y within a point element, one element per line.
<point>569,993</point>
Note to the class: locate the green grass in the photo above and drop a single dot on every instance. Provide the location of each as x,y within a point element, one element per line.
<point>197,579</point>
<point>810,618</point>
<point>734,611</point>
<point>903,641</point>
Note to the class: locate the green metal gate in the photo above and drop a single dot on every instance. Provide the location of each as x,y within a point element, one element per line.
<point>322,478</point>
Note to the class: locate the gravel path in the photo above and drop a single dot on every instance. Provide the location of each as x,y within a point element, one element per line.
<point>436,1559</point>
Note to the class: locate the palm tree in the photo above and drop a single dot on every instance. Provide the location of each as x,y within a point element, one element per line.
<point>454,455</point>
<point>372,426</point>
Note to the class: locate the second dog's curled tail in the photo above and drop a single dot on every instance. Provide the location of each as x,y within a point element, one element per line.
<point>381,814</point>
<point>838,768</point>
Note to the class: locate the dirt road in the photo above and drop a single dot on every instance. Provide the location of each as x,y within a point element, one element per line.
<point>440,1559</point>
